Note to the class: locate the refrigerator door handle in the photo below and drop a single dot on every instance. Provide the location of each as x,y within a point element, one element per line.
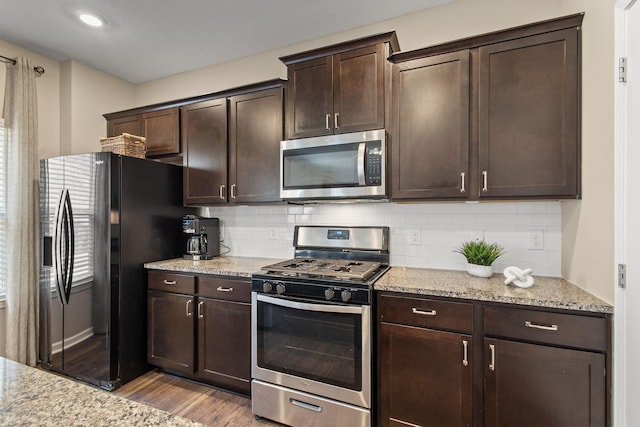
<point>70,244</point>
<point>64,245</point>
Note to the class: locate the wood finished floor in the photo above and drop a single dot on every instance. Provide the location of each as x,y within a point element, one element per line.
<point>191,400</point>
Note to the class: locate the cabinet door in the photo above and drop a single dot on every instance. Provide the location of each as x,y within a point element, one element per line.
<point>224,343</point>
<point>171,334</point>
<point>358,89</point>
<point>425,378</point>
<point>535,385</point>
<point>162,130</point>
<point>310,98</point>
<point>528,117</point>
<point>255,132</point>
<point>430,129</point>
<point>130,125</point>
<point>204,135</point>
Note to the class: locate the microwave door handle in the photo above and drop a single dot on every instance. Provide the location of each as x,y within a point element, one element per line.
<point>361,163</point>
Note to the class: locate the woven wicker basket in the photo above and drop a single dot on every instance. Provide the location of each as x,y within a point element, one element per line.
<point>125,144</point>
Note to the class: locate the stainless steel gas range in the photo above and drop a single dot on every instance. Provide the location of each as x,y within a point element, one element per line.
<point>312,328</point>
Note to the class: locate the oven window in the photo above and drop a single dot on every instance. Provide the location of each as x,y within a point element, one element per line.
<point>321,167</point>
<point>325,347</point>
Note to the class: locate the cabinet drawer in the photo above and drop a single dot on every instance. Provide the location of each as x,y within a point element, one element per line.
<point>226,289</point>
<point>546,327</point>
<point>425,312</point>
<point>171,282</point>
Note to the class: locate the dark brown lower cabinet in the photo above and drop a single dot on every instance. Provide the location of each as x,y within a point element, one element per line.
<point>203,333</point>
<point>224,343</point>
<point>170,342</point>
<point>425,377</point>
<point>536,385</point>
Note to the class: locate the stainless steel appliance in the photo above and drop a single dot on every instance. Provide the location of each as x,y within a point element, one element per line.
<point>101,217</point>
<point>346,166</point>
<point>312,328</point>
<point>204,237</point>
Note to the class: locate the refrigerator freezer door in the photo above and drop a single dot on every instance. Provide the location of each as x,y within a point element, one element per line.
<point>74,287</point>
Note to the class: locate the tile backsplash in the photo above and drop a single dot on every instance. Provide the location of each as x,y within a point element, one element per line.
<point>422,235</point>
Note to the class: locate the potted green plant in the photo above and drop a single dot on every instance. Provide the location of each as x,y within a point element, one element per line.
<point>480,256</point>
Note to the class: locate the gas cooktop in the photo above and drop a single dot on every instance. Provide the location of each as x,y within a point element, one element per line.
<point>326,268</point>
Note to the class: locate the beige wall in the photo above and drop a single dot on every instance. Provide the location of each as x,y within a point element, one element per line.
<point>587,229</point>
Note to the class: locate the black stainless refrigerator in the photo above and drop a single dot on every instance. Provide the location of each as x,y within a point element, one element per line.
<point>102,216</point>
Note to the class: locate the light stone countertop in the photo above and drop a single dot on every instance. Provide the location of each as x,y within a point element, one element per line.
<point>34,397</point>
<point>549,292</point>
<point>223,265</point>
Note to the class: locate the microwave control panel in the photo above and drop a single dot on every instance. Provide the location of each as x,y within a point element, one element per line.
<point>373,163</point>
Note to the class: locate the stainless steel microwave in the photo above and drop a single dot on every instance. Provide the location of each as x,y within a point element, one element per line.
<point>346,166</point>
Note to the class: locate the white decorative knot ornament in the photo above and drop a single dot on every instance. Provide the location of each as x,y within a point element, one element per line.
<point>518,277</point>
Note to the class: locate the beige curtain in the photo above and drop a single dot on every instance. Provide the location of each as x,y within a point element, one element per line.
<point>21,123</point>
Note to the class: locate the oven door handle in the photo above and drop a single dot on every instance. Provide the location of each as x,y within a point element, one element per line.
<point>326,308</point>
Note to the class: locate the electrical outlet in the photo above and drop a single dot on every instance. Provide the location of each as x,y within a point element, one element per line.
<point>415,237</point>
<point>221,232</point>
<point>536,240</point>
<point>477,236</point>
<point>272,234</point>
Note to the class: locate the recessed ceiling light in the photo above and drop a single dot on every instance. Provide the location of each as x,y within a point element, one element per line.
<point>91,20</point>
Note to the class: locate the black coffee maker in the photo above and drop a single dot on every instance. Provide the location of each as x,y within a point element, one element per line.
<point>204,237</point>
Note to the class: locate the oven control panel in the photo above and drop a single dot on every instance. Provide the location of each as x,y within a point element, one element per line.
<point>335,293</point>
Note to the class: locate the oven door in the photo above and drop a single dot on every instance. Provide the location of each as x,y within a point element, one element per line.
<point>314,347</point>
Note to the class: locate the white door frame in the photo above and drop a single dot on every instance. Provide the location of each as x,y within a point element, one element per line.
<point>620,400</point>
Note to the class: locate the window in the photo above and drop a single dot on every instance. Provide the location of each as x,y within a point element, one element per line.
<point>3,210</point>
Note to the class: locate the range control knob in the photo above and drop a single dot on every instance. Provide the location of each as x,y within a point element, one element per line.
<point>267,287</point>
<point>329,294</point>
<point>280,288</point>
<point>346,295</point>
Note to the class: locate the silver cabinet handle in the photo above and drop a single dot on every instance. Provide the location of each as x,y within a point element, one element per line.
<point>305,405</point>
<point>465,354</point>
<point>423,312</point>
<point>462,189</point>
<point>200,315</point>
<point>543,327</point>
<point>221,289</point>
<point>233,191</point>
<point>492,365</point>
<point>335,120</point>
<point>327,118</point>
<point>484,182</point>
<point>189,313</point>
<point>169,282</point>
<point>222,188</point>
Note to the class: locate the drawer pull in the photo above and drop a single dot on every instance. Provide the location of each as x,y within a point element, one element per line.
<point>423,312</point>
<point>543,327</point>
<point>221,289</point>
<point>169,282</point>
<point>465,356</point>
<point>492,365</point>
<point>305,405</point>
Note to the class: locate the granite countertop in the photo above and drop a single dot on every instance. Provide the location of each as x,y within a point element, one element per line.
<point>549,292</point>
<point>223,265</point>
<point>34,397</point>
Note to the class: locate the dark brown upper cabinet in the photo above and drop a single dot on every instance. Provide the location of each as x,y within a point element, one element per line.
<point>430,125</point>
<point>231,147</point>
<point>495,116</point>
<point>255,132</point>
<point>340,88</point>
<point>204,135</point>
<point>528,116</point>
<point>161,127</point>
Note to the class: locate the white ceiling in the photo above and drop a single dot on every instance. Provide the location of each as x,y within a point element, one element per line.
<point>148,39</point>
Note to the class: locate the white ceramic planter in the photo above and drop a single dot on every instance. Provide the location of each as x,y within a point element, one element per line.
<point>480,270</point>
